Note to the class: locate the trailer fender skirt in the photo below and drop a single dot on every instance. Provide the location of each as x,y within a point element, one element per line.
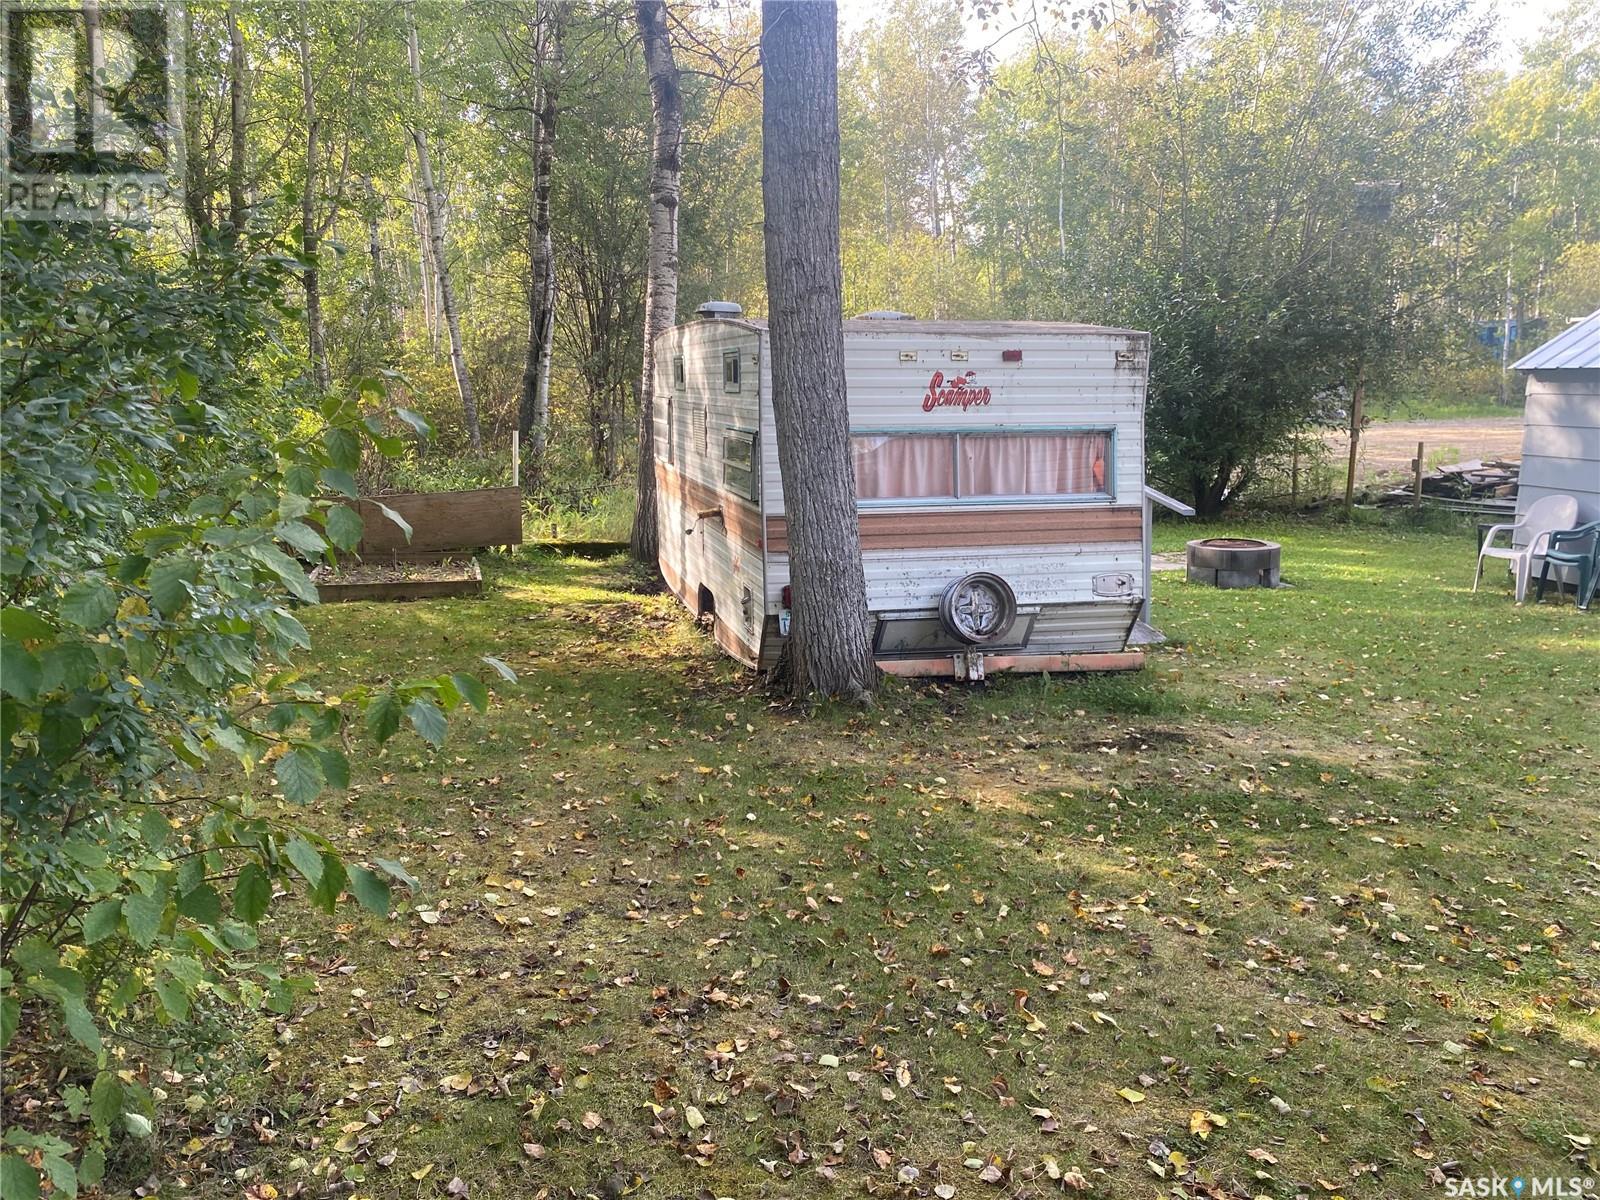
<point>945,666</point>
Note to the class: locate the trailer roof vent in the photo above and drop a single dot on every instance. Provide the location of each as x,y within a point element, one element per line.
<point>886,314</point>
<point>719,308</point>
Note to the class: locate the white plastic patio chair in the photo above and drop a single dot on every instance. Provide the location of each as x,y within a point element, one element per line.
<point>1529,533</point>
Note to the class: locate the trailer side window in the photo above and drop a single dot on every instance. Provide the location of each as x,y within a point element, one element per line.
<point>904,466</point>
<point>981,466</point>
<point>739,463</point>
<point>677,371</point>
<point>730,370</point>
<point>1034,464</point>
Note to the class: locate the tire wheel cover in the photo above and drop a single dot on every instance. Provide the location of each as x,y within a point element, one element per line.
<point>978,608</point>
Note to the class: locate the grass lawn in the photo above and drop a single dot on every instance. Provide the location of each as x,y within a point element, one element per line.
<point>1311,906</point>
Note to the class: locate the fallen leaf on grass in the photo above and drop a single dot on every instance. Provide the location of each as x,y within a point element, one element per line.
<point>1131,1096</point>
<point>1035,1025</point>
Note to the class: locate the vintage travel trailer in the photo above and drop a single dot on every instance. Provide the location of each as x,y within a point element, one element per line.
<point>1005,522</point>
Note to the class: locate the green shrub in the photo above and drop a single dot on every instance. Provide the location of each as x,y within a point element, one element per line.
<point>148,516</point>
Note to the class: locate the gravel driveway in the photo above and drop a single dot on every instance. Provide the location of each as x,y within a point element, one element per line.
<point>1388,449</point>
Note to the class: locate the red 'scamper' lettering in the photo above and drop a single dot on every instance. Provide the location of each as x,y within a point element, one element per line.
<point>961,392</point>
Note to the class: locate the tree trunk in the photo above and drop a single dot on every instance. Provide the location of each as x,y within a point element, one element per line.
<point>1505,330</point>
<point>425,272</point>
<point>1357,396</point>
<point>237,207</point>
<point>830,650</point>
<point>198,180</point>
<point>310,235</point>
<point>661,271</point>
<point>434,206</point>
<point>533,411</point>
<point>381,302</point>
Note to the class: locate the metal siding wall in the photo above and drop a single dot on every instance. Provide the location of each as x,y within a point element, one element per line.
<point>708,556</point>
<point>911,580</point>
<point>1063,380</point>
<point>1561,440</point>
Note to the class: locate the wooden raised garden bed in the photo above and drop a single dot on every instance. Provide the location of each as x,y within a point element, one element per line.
<point>418,578</point>
<point>440,521</point>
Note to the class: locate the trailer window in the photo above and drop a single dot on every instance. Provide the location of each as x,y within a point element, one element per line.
<point>677,371</point>
<point>1034,464</point>
<point>904,466</point>
<point>739,463</point>
<point>981,466</point>
<point>730,370</point>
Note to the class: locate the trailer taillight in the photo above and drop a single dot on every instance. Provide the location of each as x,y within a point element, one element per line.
<point>787,593</point>
<point>1011,356</point>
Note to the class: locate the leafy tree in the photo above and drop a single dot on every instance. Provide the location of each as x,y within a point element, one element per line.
<point>155,503</point>
<point>1267,197</point>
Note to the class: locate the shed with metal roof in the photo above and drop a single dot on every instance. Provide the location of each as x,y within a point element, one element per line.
<point>1561,420</point>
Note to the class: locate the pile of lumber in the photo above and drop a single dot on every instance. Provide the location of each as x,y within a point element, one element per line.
<point>1472,486</point>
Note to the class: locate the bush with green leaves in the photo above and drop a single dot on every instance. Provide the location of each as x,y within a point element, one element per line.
<point>154,519</point>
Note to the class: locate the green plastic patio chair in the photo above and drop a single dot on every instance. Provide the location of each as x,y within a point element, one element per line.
<point>1586,561</point>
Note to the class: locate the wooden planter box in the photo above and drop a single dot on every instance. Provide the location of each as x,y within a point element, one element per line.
<point>332,591</point>
<point>440,521</point>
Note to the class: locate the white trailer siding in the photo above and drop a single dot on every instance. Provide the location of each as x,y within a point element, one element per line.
<point>1077,564</point>
<point>1561,440</point>
<point>1059,383</point>
<point>1063,381</point>
<point>692,416</point>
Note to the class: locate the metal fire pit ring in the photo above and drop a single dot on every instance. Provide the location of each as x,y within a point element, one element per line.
<point>1234,562</point>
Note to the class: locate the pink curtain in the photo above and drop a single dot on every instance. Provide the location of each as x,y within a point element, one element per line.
<point>1067,464</point>
<point>1034,464</point>
<point>921,466</point>
<point>906,466</point>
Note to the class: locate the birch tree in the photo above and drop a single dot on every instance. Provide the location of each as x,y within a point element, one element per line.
<point>533,410</point>
<point>433,206</point>
<point>829,650</point>
<point>661,270</point>
<point>237,149</point>
<point>312,226</point>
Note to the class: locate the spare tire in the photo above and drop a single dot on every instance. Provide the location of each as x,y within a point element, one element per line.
<point>978,608</point>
